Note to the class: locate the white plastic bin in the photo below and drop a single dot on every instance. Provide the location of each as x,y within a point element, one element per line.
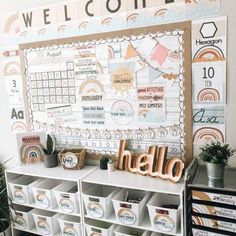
<point>99,228</point>
<point>21,189</point>
<point>69,225</point>
<point>43,193</point>
<point>67,197</point>
<point>22,218</point>
<point>126,231</point>
<point>129,212</point>
<point>46,222</point>
<point>164,212</point>
<point>97,200</point>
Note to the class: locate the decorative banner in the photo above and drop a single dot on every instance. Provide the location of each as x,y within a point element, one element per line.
<point>93,92</point>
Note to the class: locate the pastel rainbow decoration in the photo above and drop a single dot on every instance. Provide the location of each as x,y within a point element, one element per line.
<point>18,127</point>
<point>99,68</point>
<point>208,95</point>
<point>132,17</point>
<point>61,28</point>
<point>106,21</point>
<point>42,31</point>
<point>208,54</point>
<point>83,25</point>
<point>12,68</point>
<point>12,24</point>
<point>91,87</point>
<point>207,134</point>
<point>24,34</point>
<point>161,12</point>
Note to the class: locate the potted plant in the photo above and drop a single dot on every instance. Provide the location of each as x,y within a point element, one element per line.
<point>103,162</point>
<point>50,157</point>
<point>5,215</point>
<point>216,155</point>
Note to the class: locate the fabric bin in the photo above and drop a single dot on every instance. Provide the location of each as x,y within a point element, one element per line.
<point>67,197</point>
<point>128,212</point>
<point>97,201</point>
<point>20,189</point>
<point>99,228</point>
<point>126,231</point>
<point>164,212</point>
<point>46,222</point>
<point>22,218</point>
<point>69,225</point>
<point>43,194</point>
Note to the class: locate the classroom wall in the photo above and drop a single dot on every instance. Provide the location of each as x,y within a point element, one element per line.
<point>8,141</point>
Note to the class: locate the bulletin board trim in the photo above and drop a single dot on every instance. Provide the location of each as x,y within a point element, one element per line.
<point>185,26</point>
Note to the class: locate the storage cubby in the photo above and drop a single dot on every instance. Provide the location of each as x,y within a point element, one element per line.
<point>94,227</point>
<point>129,206</point>
<point>67,197</point>
<point>164,212</point>
<point>98,201</point>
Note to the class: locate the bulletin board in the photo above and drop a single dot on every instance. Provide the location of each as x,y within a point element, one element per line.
<point>91,91</point>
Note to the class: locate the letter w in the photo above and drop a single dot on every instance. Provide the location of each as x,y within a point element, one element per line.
<point>27,19</point>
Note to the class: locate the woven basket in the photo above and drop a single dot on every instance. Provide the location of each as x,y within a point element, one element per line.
<point>67,158</point>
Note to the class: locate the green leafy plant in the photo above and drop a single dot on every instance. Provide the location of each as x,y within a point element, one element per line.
<point>5,202</point>
<point>50,148</point>
<point>111,160</point>
<point>216,153</point>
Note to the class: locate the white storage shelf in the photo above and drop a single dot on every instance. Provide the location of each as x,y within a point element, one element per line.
<point>40,174</point>
<point>91,176</point>
<point>123,179</point>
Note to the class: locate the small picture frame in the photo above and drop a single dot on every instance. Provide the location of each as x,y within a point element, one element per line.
<point>30,148</point>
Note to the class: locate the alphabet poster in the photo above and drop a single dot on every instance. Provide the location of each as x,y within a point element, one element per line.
<point>93,91</point>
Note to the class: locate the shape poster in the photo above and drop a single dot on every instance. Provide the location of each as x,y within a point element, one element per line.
<point>94,91</point>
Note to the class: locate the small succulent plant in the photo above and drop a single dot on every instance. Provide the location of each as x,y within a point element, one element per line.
<point>50,148</point>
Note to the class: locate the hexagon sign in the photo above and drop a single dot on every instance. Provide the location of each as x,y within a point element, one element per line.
<point>208,30</point>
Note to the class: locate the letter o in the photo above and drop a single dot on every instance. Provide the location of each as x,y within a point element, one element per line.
<point>113,10</point>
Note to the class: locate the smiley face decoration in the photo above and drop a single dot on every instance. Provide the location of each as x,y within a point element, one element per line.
<point>152,163</point>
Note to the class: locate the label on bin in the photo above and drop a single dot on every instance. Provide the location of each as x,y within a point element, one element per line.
<point>126,216</point>
<point>20,222</point>
<point>66,205</point>
<point>19,196</point>
<point>69,231</point>
<point>43,227</point>
<point>163,223</point>
<point>95,209</point>
<point>42,201</point>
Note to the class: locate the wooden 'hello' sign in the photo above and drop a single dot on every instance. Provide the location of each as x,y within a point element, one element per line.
<point>152,163</point>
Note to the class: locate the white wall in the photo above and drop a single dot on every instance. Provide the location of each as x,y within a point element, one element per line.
<point>7,141</point>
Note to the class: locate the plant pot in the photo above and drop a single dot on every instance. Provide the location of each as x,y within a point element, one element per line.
<point>50,161</point>
<point>7,232</point>
<point>215,172</point>
<point>111,166</point>
<point>103,163</point>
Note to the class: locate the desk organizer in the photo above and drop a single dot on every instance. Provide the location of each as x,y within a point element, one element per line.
<point>99,228</point>
<point>67,197</point>
<point>97,201</point>
<point>163,216</point>
<point>43,193</point>
<point>130,212</point>
<point>46,222</point>
<point>22,218</point>
<point>69,225</point>
<point>21,191</point>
